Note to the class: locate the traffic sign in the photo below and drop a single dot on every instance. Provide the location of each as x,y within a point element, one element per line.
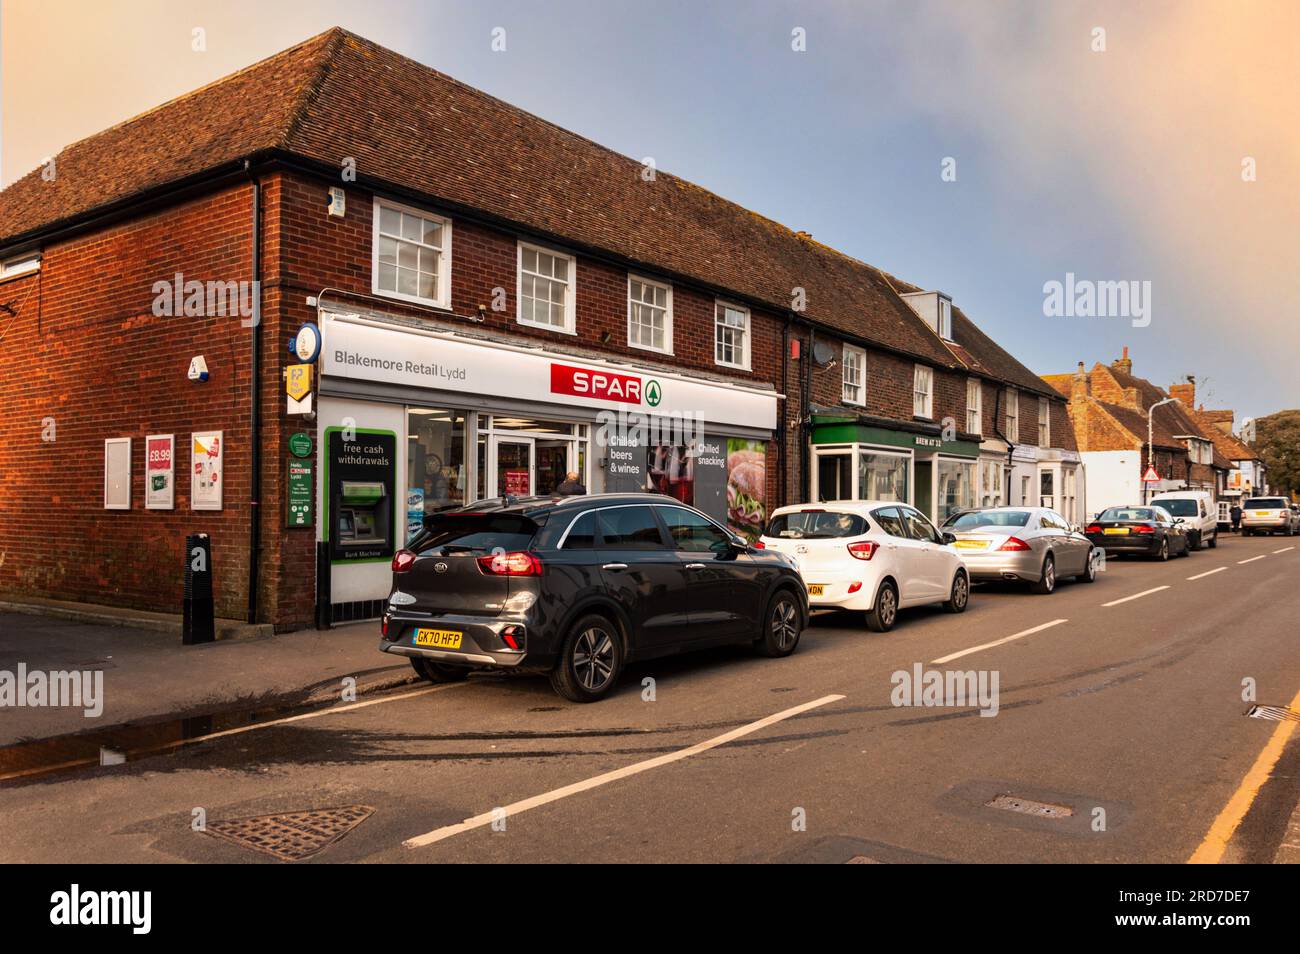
<point>1151,477</point>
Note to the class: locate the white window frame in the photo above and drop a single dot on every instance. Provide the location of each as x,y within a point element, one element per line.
<point>668,313</point>
<point>124,478</point>
<point>570,299</point>
<point>925,372</point>
<point>20,265</point>
<point>1013,415</point>
<point>944,319</point>
<point>861,355</point>
<point>975,411</point>
<point>443,299</point>
<point>1044,422</point>
<point>719,304</point>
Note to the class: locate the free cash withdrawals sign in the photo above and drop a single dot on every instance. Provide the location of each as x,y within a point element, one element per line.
<point>397,356</point>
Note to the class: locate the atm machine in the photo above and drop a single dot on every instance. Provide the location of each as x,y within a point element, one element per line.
<point>363,518</point>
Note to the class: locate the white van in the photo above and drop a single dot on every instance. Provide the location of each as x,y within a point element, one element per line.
<point>1198,512</point>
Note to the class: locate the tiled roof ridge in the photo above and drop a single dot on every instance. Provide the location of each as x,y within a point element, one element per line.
<point>333,38</point>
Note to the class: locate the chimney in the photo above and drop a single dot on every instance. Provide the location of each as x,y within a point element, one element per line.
<point>1125,363</point>
<point>1186,393</point>
<point>1079,387</point>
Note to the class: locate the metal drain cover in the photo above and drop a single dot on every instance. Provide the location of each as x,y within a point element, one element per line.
<point>1028,806</point>
<point>1274,713</point>
<point>291,836</point>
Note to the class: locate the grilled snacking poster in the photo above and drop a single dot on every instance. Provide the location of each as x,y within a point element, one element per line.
<point>746,486</point>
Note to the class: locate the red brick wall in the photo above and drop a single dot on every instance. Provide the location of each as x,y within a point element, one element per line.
<point>86,350</point>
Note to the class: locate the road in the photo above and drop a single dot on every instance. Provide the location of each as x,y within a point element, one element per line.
<point>1130,715</point>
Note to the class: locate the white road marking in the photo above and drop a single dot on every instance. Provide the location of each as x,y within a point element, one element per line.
<point>1284,549</point>
<point>1217,569</point>
<point>996,642</point>
<point>1136,596</point>
<point>1252,559</point>
<point>478,821</point>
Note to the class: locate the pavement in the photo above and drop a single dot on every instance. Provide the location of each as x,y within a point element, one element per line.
<point>148,674</point>
<point>1120,735</point>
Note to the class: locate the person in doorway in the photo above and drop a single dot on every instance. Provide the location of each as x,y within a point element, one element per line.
<point>1235,513</point>
<point>571,487</point>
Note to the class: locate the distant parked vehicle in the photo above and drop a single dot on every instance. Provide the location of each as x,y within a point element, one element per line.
<point>1147,531</point>
<point>1032,545</point>
<point>874,555</point>
<point>1198,511</point>
<point>579,586</point>
<point>1267,515</point>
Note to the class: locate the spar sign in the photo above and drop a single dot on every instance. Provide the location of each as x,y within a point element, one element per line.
<point>605,385</point>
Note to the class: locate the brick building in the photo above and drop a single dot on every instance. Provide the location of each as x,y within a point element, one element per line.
<point>1113,417</point>
<point>497,302</point>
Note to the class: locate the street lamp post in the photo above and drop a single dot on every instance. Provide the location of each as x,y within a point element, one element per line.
<point>1146,494</point>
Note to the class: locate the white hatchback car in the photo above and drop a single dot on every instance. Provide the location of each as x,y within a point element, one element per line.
<point>879,556</point>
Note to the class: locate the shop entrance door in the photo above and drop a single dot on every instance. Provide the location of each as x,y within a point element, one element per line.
<point>553,464</point>
<point>511,466</point>
<point>834,476</point>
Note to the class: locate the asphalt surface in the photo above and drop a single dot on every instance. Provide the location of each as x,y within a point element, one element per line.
<point>1129,719</point>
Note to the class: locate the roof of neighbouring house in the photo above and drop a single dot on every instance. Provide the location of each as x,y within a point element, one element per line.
<point>406,125</point>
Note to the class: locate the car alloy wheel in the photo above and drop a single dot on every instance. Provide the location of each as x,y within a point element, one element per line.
<point>880,618</point>
<point>960,594</point>
<point>1164,550</point>
<point>593,659</point>
<point>784,623</point>
<point>1047,579</point>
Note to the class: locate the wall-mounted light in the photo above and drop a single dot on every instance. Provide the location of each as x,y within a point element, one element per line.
<point>604,337</point>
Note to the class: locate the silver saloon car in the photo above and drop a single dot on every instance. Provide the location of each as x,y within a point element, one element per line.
<point>1032,545</point>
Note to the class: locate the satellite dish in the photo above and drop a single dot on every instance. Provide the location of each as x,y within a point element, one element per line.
<point>823,353</point>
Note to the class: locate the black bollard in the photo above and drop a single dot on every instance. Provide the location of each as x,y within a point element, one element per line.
<point>199,625</point>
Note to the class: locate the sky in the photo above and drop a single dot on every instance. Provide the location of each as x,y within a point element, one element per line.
<point>984,149</point>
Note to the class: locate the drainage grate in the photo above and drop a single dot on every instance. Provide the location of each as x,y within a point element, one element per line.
<point>1027,806</point>
<point>1274,713</point>
<point>291,836</point>
<point>863,860</point>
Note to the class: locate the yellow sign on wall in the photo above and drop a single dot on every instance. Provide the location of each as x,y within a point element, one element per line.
<point>297,381</point>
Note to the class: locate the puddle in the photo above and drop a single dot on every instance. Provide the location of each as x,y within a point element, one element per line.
<point>128,742</point>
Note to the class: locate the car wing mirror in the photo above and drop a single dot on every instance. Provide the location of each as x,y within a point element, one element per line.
<point>948,537</point>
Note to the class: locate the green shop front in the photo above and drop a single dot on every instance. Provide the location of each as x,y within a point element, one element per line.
<point>854,459</point>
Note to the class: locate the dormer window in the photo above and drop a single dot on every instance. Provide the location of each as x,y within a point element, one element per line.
<point>935,308</point>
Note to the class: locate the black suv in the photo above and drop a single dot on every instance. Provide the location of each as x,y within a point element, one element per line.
<point>579,586</point>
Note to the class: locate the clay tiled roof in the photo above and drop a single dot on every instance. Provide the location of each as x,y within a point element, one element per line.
<point>979,353</point>
<point>413,128</point>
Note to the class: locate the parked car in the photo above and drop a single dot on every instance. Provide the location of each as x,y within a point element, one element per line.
<point>580,586</point>
<point>1267,515</point>
<point>878,556</point>
<point>1199,512</point>
<point>1147,531</point>
<point>1032,545</point>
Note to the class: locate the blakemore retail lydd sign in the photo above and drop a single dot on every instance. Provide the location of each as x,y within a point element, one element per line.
<point>395,356</point>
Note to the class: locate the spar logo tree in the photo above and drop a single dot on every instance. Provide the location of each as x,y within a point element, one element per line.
<point>652,393</point>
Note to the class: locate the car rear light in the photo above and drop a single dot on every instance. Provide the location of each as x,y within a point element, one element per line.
<point>513,637</point>
<point>759,545</point>
<point>1144,528</point>
<point>383,626</point>
<point>854,587</point>
<point>519,563</point>
<point>1014,543</point>
<point>403,560</point>
<point>1093,528</point>
<point>812,510</point>
<point>863,551</point>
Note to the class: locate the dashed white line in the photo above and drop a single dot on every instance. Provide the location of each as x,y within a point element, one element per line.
<point>997,642</point>
<point>1252,559</point>
<point>1284,549</point>
<point>1217,569</point>
<point>478,821</point>
<point>1136,596</point>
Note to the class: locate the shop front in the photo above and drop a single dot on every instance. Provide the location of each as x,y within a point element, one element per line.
<point>414,421</point>
<point>1049,477</point>
<point>854,460</point>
